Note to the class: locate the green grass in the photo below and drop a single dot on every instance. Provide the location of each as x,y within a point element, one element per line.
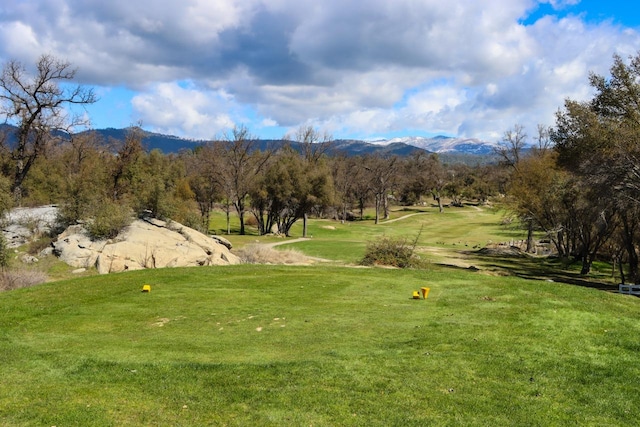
<point>524,341</point>
<point>269,345</point>
<point>452,230</point>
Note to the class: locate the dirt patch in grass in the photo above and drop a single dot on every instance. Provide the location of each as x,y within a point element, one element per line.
<point>446,256</point>
<point>16,279</point>
<point>265,254</point>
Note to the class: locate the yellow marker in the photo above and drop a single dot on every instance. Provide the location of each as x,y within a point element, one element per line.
<point>146,288</point>
<point>416,295</point>
<point>425,292</point>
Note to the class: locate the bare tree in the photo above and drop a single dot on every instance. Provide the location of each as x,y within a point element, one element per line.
<point>315,143</point>
<point>543,139</point>
<point>36,104</point>
<point>510,148</point>
<point>383,173</point>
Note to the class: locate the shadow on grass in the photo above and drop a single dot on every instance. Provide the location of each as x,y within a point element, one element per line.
<point>548,269</point>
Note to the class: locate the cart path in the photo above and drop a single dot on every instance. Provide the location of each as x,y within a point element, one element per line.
<point>285,242</point>
<point>402,217</point>
<point>421,213</point>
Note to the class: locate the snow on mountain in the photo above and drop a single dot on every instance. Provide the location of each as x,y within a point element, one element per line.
<point>443,144</point>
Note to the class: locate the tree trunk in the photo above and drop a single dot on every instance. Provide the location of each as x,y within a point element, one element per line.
<point>586,265</point>
<point>241,217</point>
<point>304,224</point>
<point>621,267</point>
<point>385,205</point>
<point>633,264</point>
<point>530,236</point>
<point>377,208</point>
<point>628,237</point>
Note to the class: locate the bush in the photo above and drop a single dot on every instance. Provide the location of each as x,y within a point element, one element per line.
<point>38,245</point>
<point>393,252</point>
<point>109,221</point>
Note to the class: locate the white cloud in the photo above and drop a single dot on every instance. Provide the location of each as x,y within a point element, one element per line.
<point>460,67</point>
<point>173,109</point>
<point>19,41</point>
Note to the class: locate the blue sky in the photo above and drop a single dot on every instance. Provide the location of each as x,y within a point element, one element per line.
<point>354,69</point>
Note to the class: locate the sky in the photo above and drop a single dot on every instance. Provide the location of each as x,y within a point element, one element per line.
<point>352,69</point>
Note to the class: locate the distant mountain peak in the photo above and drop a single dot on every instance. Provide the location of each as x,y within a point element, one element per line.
<point>444,144</point>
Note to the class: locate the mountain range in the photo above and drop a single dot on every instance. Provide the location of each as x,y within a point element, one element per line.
<point>448,148</point>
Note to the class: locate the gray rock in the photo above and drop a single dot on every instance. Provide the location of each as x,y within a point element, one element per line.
<point>28,259</point>
<point>16,235</point>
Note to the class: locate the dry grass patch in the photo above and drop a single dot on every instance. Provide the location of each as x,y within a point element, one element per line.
<point>16,279</point>
<point>262,254</point>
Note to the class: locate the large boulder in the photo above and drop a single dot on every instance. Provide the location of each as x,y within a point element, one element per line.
<point>76,248</point>
<point>146,243</point>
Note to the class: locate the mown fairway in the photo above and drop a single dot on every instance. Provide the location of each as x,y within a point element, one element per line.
<point>318,345</point>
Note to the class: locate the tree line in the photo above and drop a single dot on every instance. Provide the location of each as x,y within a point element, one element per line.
<point>103,182</point>
<point>578,183</point>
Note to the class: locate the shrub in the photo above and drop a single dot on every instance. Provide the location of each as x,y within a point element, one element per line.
<point>109,221</point>
<point>393,252</point>
<point>250,221</point>
<point>38,245</point>
<point>4,252</point>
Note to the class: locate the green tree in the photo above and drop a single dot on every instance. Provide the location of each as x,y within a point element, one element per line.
<point>243,163</point>
<point>599,142</point>
<point>84,163</point>
<point>4,253</point>
<point>126,164</point>
<point>6,201</point>
<point>289,190</point>
<point>203,172</point>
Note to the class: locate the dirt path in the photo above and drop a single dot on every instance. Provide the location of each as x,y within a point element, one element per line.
<point>300,239</point>
<point>421,213</point>
<point>402,217</point>
<point>285,242</point>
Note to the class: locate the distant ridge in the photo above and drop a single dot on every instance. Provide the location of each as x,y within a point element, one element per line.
<point>466,150</point>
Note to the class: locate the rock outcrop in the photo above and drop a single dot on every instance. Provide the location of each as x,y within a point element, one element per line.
<point>22,225</point>
<point>146,243</point>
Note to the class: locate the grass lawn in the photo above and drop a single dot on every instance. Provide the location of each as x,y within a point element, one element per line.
<point>521,341</point>
<point>323,346</point>
<point>454,230</point>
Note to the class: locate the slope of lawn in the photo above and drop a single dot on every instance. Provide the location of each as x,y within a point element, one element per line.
<point>454,229</point>
<point>320,345</point>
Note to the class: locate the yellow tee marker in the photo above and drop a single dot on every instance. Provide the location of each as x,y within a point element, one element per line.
<point>146,288</point>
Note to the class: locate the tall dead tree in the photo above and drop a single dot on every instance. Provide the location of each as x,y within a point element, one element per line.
<point>36,105</point>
